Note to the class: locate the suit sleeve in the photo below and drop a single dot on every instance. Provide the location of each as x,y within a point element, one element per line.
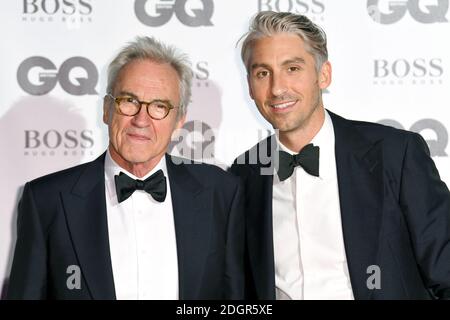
<point>250,287</point>
<point>425,199</point>
<point>28,272</point>
<point>234,269</point>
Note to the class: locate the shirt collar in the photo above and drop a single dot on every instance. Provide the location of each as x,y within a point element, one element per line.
<point>324,139</point>
<point>112,169</point>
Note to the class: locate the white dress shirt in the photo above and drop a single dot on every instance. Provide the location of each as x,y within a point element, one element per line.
<point>141,239</point>
<point>310,259</point>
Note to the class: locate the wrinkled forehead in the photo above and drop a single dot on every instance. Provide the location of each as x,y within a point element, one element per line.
<point>146,78</point>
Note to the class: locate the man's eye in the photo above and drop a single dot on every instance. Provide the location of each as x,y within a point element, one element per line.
<point>161,106</point>
<point>293,69</point>
<point>262,74</point>
<point>131,100</point>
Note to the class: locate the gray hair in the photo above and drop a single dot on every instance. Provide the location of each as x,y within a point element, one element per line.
<point>269,23</point>
<point>152,49</point>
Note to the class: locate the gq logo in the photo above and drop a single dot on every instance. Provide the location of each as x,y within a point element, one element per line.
<point>161,11</point>
<point>438,145</point>
<point>49,76</point>
<point>432,14</point>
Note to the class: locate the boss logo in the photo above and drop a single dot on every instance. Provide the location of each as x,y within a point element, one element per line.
<point>51,7</point>
<point>155,13</point>
<point>415,71</point>
<point>396,10</point>
<point>295,6</point>
<point>48,76</point>
<point>53,139</point>
<point>201,73</point>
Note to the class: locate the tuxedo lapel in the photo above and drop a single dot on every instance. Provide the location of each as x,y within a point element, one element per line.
<point>360,180</point>
<point>259,223</point>
<point>85,208</point>
<point>192,210</point>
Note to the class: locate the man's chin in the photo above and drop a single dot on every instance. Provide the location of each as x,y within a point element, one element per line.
<point>282,127</point>
<point>138,160</point>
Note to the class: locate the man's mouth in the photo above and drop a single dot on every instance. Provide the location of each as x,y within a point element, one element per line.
<point>283,105</point>
<point>136,136</point>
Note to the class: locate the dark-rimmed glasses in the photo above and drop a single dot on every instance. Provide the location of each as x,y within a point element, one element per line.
<point>129,106</point>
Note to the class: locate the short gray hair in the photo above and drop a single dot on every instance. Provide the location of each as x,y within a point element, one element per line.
<point>269,23</point>
<point>148,48</point>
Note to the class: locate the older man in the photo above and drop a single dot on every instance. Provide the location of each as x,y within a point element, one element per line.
<point>135,223</point>
<point>370,220</point>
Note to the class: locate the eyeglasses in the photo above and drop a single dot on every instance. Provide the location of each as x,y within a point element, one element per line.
<point>129,106</point>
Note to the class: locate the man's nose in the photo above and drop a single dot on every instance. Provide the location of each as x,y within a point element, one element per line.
<point>142,118</point>
<point>278,85</point>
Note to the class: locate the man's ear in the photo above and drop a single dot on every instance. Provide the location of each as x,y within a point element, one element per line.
<point>250,92</point>
<point>106,111</point>
<point>325,75</point>
<point>180,122</point>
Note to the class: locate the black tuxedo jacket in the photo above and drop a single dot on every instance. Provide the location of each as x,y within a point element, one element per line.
<point>395,213</point>
<point>62,221</point>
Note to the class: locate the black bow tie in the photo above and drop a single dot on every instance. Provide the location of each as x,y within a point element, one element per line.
<point>155,185</point>
<point>308,159</point>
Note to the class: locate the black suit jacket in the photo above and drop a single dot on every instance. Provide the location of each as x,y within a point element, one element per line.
<point>62,221</point>
<point>395,213</point>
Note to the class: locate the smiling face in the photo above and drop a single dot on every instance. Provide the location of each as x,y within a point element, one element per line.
<point>284,83</point>
<point>137,143</point>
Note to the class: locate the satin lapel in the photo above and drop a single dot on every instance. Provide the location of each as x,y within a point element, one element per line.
<point>259,191</point>
<point>192,210</point>
<point>360,180</point>
<point>85,208</point>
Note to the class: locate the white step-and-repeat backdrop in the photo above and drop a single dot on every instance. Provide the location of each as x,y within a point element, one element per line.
<point>391,64</point>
